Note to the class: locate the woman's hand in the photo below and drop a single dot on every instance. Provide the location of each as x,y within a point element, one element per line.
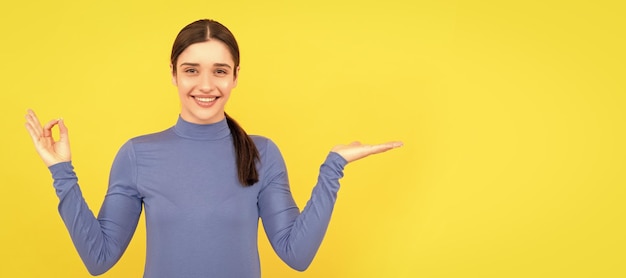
<point>51,152</point>
<point>356,150</point>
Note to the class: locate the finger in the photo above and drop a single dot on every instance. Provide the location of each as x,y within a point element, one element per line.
<point>62,130</point>
<point>355,143</point>
<point>395,144</point>
<point>33,132</point>
<point>32,129</point>
<point>47,129</point>
<point>392,144</point>
<point>33,124</point>
<point>386,146</point>
<point>374,149</point>
<point>32,116</point>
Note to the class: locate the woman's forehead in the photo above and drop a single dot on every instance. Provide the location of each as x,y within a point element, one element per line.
<point>208,52</point>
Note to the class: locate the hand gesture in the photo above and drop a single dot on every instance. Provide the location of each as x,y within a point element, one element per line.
<point>356,150</point>
<point>51,152</point>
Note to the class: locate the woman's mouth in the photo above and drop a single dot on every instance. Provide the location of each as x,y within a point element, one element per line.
<point>205,101</point>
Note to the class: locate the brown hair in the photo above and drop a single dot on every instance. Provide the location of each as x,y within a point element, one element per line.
<point>201,31</point>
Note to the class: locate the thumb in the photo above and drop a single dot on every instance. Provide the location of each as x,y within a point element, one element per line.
<point>63,133</point>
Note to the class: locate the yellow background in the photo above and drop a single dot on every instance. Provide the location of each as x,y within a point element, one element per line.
<point>512,116</point>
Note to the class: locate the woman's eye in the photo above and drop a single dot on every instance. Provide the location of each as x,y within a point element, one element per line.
<point>191,71</point>
<point>221,72</point>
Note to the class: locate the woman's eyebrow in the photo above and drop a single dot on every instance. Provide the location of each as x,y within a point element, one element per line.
<point>198,64</point>
<point>222,65</point>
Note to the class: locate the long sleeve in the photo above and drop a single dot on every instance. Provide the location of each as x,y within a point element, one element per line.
<point>100,241</point>
<point>296,236</point>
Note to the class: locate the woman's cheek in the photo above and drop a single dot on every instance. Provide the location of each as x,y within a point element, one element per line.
<point>185,83</point>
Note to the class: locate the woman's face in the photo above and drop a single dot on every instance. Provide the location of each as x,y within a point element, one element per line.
<point>205,75</point>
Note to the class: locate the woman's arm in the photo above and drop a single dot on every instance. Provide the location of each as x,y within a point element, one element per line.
<point>100,241</point>
<point>297,236</point>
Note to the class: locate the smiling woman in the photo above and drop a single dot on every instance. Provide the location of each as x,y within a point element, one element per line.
<point>204,183</point>
<point>205,67</point>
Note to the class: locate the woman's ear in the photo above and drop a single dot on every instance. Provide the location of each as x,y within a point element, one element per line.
<point>173,75</point>
<point>236,76</point>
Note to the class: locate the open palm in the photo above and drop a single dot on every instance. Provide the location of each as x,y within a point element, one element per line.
<point>356,150</point>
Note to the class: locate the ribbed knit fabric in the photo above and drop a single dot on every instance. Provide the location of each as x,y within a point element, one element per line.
<point>200,221</point>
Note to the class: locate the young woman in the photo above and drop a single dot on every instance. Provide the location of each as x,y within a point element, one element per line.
<point>204,182</point>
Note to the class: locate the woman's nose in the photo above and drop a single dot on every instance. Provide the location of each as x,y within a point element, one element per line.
<point>206,83</point>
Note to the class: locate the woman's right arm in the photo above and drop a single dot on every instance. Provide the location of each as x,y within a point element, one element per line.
<point>100,241</point>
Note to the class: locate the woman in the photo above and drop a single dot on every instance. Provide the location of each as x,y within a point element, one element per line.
<point>204,182</point>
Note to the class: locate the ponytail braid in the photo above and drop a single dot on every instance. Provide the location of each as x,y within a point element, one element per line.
<point>246,152</point>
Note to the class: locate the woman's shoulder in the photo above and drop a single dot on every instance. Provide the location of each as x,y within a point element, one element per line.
<point>148,141</point>
<point>264,144</point>
<point>153,137</point>
<point>260,139</point>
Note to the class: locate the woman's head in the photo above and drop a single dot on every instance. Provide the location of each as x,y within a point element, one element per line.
<point>201,31</point>
<point>205,65</point>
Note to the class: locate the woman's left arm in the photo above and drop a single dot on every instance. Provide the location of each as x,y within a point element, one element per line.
<point>297,236</point>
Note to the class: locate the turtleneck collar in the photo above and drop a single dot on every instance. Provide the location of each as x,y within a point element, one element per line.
<point>213,131</point>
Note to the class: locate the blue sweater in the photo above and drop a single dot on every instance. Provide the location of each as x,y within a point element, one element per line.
<point>200,221</point>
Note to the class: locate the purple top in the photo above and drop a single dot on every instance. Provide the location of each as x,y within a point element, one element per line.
<point>200,221</point>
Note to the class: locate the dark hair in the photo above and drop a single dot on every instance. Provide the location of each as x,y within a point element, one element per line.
<point>201,31</point>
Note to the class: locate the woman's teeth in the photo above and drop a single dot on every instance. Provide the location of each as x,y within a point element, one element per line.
<point>205,99</point>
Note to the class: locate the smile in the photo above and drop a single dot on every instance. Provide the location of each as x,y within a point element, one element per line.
<point>205,99</point>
